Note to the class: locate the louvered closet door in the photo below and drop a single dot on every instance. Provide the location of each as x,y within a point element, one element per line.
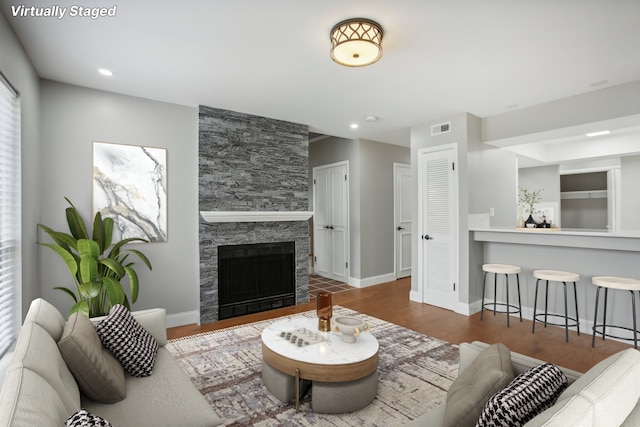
<point>437,242</point>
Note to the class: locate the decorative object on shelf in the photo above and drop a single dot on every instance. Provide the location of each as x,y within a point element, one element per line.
<point>130,186</point>
<point>528,201</point>
<point>324,310</point>
<point>96,273</point>
<point>349,327</point>
<point>356,42</point>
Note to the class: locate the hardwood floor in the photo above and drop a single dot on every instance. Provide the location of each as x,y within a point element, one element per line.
<point>390,302</point>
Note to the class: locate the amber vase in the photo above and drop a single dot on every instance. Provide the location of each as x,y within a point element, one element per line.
<point>324,310</point>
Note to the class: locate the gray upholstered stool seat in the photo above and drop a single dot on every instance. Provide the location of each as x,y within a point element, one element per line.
<point>620,284</point>
<point>506,307</point>
<point>563,277</point>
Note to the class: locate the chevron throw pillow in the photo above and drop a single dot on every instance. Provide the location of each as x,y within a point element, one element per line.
<point>128,341</point>
<point>526,396</point>
<point>83,418</point>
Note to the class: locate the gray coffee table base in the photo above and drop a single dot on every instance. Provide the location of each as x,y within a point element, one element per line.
<point>326,397</point>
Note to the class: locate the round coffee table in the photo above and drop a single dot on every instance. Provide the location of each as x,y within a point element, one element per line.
<point>344,375</point>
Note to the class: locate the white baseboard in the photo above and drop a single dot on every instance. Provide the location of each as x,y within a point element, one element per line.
<point>371,281</point>
<point>184,318</point>
<point>415,296</point>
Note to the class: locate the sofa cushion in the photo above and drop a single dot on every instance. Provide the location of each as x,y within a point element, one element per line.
<point>47,316</point>
<point>99,375</point>
<point>489,373</point>
<point>604,396</point>
<point>29,400</point>
<point>82,418</point>
<point>129,342</point>
<point>525,397</point>
<point>37,351</point>
<point>166,398</point>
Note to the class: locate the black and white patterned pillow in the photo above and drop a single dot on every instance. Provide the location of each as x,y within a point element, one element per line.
<point>128,341</point>
<point>526,396</point>
<point>83,418</point>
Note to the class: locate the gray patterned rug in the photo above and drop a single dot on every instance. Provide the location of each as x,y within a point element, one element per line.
<point>415,371</point>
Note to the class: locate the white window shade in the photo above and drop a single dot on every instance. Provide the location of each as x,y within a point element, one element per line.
<point>10,224</point>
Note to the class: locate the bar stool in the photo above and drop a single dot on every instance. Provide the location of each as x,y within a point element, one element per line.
<point>556,276</point>
<point>616,283</point>
<point>505,269</point>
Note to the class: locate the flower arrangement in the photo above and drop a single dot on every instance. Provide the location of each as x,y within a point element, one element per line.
<point>529,199</point>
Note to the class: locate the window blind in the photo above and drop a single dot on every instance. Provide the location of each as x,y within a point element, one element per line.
<point>10,224</point>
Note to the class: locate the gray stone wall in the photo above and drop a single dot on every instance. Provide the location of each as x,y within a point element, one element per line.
<point>250,163</point>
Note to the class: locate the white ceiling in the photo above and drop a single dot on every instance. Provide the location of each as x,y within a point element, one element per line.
<point>271,58</point>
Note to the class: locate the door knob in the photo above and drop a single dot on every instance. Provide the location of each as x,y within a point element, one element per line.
<point>427,237</point>
<point>331,227</point>
<point>400,228</point>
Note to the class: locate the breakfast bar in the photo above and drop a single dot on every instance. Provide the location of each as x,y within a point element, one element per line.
<point>588,253</point>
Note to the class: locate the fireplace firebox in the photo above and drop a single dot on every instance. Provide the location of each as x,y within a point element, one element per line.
<point>255,277</point>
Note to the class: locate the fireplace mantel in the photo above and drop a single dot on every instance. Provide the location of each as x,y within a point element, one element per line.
<point>255,216</point>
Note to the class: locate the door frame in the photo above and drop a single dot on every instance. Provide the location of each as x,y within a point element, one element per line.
<point>347,234</point>
<point>455,218</point>
<point>396,197</point>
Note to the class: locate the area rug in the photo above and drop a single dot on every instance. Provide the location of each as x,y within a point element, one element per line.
<point>415,372</point>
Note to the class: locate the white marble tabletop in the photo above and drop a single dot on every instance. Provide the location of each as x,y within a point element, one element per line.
<point>330,351</point>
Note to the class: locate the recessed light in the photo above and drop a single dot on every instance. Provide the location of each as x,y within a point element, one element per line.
<point>602,132</point>
<point>371,118</point>
<point>353,126</point>
<point>105,72</point>
<point>599,83</point>
<point>511,106</point>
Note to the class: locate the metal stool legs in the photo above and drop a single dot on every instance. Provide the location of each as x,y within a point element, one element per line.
<point>495,303</point>
<point>604,319</point>
<point>566,309</point>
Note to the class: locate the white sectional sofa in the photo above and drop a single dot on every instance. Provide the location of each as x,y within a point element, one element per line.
<point>605,396</point>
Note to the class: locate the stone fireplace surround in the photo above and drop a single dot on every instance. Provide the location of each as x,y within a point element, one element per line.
<point>253,188</point>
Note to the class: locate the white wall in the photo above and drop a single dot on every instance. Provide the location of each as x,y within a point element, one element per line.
<point>17,68</point>
<point>72,119</point>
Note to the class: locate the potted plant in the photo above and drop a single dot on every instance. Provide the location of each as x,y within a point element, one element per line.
<point>528,200</point>
<point>96,266</point>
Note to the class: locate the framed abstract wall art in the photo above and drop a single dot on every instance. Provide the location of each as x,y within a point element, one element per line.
<point>130,186</point>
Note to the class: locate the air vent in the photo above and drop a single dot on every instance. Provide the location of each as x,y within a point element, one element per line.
<point>441,128</point>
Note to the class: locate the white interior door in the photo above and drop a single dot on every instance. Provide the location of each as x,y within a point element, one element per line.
<point>331,221</point>
<point>438,221</point>
<point>402,195</point>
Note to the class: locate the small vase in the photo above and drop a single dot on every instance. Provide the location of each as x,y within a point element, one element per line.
<point>520,223</point>
<point>324,310</point>
<point>532,221</point>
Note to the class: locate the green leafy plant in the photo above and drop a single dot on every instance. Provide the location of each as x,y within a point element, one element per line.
<point>529,199</point>
<point>96,266</point>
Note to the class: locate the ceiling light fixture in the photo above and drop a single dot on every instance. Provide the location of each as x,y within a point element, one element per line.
<point>356,42</point>
<point>353,126</point>
<point>602,132</point>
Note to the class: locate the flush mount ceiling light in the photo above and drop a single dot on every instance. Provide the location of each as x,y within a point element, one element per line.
<point>356,42</point>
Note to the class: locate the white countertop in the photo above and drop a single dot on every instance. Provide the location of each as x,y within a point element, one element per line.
<point>561,231</point>
<point>330,351</point>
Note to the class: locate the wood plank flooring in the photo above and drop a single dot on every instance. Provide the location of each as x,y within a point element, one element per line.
<point>390,302</point>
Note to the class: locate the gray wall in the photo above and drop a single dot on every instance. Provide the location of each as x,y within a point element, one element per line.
<point>370,199</point>
<point>603,104</point>
<point>629,193</point>
<point>377,228</point>
<point>17,68</point>
<point>74,117</point>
